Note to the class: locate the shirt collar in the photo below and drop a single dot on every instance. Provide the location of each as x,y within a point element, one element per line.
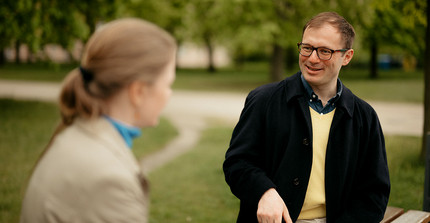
<point>127,132</point>
<point>294,88</point>
<point>312,95</point>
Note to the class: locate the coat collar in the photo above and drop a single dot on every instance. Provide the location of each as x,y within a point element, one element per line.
<point>295,89</point>
<point>103,131</point>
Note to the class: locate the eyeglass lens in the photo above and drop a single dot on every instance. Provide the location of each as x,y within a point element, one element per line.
<point>322,52</point>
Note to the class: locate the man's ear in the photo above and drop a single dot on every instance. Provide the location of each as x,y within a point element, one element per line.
<point>348,56</point>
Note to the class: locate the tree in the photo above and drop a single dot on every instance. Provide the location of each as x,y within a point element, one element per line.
<point>388,28</point>
<point>206,23</point>
<point>8,26</point>
<point>58,24</point>
<point>168,14</point>
<point>39,22</point>
<point>276,25</point>
<point>426,83</point>
<point>268,26</point>
<point>17,24</point>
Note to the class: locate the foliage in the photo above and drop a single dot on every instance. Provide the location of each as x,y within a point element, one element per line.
<point>246,27</point>
<point>399,23</point>
<point>168,14</point>
<point>40,22</point>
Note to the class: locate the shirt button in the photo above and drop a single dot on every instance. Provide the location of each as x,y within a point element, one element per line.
<point>306,141</point>
<point>296,181</point>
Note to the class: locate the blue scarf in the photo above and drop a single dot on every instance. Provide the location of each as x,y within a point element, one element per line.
<point>127,132</point>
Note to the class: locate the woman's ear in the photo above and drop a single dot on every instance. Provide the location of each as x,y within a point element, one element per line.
<point>136,91</point>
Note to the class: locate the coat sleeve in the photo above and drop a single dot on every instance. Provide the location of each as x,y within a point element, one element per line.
<point>243,162</point>
<point>372,184</point>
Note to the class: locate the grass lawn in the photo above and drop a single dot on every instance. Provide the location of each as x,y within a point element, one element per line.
<point>392,85</point>
<point>189,189</point>
<point>25,128</point>
<point>34,72</point>
<point>406,171</point>
<point>192,187</point>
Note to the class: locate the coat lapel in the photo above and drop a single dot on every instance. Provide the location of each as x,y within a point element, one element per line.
<point>111,139</point>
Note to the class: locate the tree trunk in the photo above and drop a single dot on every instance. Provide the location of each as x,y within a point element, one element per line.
<point>210,51</point>
<point>277,63</point>
<point>17,54</point>
<point>291,57</point>
<point>426,85</point>
<point>2,57</point>
<point>239,58</point>
<point>373,59</point>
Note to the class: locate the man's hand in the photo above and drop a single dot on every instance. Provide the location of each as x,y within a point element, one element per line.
<point>272,209</point>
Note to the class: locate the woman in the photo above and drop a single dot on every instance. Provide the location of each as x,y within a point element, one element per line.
<point>88,172</point>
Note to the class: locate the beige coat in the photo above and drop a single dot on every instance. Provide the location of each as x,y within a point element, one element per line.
<point>88,175</point>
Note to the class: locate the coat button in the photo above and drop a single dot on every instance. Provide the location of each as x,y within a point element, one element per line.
<point>306,141</point>
<point>296,181</point>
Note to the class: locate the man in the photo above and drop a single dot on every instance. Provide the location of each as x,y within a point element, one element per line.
<point>307,148</point>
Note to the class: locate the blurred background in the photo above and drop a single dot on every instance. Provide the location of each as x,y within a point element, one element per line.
<point>226,48</point>
<point>217,33</point>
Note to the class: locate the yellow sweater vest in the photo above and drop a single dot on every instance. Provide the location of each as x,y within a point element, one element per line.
<point>314,204</point>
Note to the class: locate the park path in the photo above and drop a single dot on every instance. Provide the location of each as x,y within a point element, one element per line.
<point>192,111</point>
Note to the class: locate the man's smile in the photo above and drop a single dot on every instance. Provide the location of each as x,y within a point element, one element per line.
<point>313,68</point>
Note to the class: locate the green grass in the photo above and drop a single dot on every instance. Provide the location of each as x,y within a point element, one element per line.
<point>25,129</point>
<point>192,187</point>
<point>35,72</point>
<point>406,172</point>
<point>392,85</point>
<point>154,138</point>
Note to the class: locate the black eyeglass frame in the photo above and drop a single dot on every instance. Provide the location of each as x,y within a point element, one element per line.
<point>316,49</point>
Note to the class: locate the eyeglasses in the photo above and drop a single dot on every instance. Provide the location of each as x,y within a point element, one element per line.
<point>322,52</point>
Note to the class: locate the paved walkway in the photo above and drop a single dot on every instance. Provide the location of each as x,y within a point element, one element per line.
<point>190,112</point>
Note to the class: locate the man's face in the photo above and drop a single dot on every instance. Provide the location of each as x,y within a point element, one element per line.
<point>323,74</point>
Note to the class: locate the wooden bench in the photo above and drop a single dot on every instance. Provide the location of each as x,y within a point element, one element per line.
<point>397,215</point>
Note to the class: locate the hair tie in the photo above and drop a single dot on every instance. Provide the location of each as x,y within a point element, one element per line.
<point>87,76</point>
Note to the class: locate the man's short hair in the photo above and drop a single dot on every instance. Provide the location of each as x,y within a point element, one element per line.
<point>346,30</point>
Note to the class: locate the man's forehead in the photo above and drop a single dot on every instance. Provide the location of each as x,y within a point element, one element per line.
<point>325,25</point>
<point>331,37</point>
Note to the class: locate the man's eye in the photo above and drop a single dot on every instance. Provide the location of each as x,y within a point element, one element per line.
<point>307,48</point>
<point>325,51</point>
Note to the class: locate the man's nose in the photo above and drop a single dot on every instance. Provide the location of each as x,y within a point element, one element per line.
<point>314,57</point>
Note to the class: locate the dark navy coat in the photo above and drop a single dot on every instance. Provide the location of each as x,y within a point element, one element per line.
<point>271,147</point>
